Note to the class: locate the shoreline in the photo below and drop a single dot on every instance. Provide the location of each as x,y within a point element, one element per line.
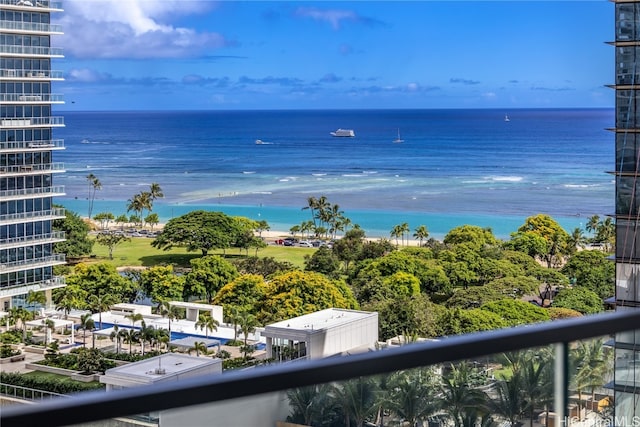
<point>375,223</point>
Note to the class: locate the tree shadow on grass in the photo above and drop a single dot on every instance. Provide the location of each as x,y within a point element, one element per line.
<point>180,260</point>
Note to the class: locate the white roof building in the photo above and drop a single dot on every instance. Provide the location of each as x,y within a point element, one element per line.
<point>166,367</point>
<point>321,334</point>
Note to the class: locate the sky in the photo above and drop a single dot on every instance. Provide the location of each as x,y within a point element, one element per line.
<point>261,55</point>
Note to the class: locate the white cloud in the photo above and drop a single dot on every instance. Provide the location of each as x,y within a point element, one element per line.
<point>134,29</point>
<point>86,75</point>
<point>332,16</point>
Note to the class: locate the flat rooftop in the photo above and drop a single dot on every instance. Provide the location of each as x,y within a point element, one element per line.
<point>324,319</point>
<point>171,363</point>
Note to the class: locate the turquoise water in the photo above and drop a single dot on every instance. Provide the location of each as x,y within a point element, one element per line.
<point>376,223</point>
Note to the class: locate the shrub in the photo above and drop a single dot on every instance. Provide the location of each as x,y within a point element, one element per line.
<point>54,385</point>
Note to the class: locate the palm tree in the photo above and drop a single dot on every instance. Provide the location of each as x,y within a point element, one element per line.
<point>311,405</point>
<point>396,232</point>
<point>116,335</point>
<point>155,192</point>
<point>146,334</point>
<point>130,336</point>
<point>509,400</point>
<point>36,298</point>
<point>136,204</point>
<point>86,323</point>
<point>99,304</point>
<point>198,347</point>
<point>411,395</point>
<point>590,367</point>
<point>23,315</point>
<point>576,240</point>
<point>94,184</point>
<point>207,322</point>
<point>247,323</point>
<point>165,309</point>
<point>134,317</point>
<point>459,397</point>
<point>593,223</point>
<point>421,233</point>
<point>49,327</point>
<point>357,399</point>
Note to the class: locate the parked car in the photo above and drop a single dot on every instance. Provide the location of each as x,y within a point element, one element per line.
<point>290,241</point>
<point>305,244</point>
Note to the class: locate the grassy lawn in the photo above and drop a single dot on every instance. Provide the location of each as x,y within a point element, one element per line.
<point>139,252</point>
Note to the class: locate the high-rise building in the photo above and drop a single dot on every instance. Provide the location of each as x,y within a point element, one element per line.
<point>627,203</point>
<point>27,147</point>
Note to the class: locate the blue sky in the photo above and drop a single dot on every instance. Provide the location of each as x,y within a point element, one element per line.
<point>192,55</point>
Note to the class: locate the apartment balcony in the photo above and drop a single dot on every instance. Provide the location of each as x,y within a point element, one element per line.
<point>24,217</point>
<point>13,74</point>
<point>20,242</point>
<point>43,285</point>
<point>25,170</point>
<point>26,264</point>
<point>32,193</point>
<point>31,5</point>
<point>31,146</point>
<point>258,396</point>
<point>29,27</point>
<point>31,51</point>
<point>31,122</point>
<point>41,98</point>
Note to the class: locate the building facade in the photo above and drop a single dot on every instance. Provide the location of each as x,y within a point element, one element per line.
<point>27,146</point>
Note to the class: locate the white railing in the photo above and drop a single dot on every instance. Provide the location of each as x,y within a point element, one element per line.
<point>56,236</point>
<point>46,4</point>
<point>31,50</point>
<point>22,145</point>
<point>32,121</point>
<point>54,282</point>
<point>9,267</point>
<point>44,191</point>
<point>26,169</point>
<point>31,74</point>
<point>34,216</point>
<point>23,97</point>
<point>30,27</point>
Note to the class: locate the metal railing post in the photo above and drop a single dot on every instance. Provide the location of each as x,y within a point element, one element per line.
<point>561,383</point>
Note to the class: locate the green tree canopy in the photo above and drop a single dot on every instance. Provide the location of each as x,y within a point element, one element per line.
<point>516,312</point>
<point>245,293</point>
<point>208,275</point>
<point>592,270</point>
<point>546,227</point>
<point>199,231</point>
<point>266,266</point>
<point>323,261</point>
<point>296,293</point>
<point>405,315</point>
<point>456,321</point>
<point>579,299</point>
<point>160,283</point>
<point>471,234</point>
<point>102,279</point>
<point>77,243</point>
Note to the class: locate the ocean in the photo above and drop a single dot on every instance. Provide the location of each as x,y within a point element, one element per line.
<point>454,167</point>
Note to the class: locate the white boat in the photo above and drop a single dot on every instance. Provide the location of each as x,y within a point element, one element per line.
<point>398,140</point>
<point>344,132</point>
<point>259,141</point>
<point>506,118</point>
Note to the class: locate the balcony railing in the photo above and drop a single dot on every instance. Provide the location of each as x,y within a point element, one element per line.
<point>42,285</point>
<point>21,122</point>
<point>94,406</point>
<point>31,169</point>
<point>30,27</point>
<point>56,236</point>
<point>32,216</point>
<point>31,51</point>
<point>45,261</point>
<point>16,98</point>
<point>33,192</point>
<point>31,74</point>
<point>52,144</point>
<point>41,4</point>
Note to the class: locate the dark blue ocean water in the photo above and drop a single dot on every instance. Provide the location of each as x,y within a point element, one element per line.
<point>454,167</point>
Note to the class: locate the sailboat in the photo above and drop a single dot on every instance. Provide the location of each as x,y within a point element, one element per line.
<point>506,118</point>
<point>398,140</point>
